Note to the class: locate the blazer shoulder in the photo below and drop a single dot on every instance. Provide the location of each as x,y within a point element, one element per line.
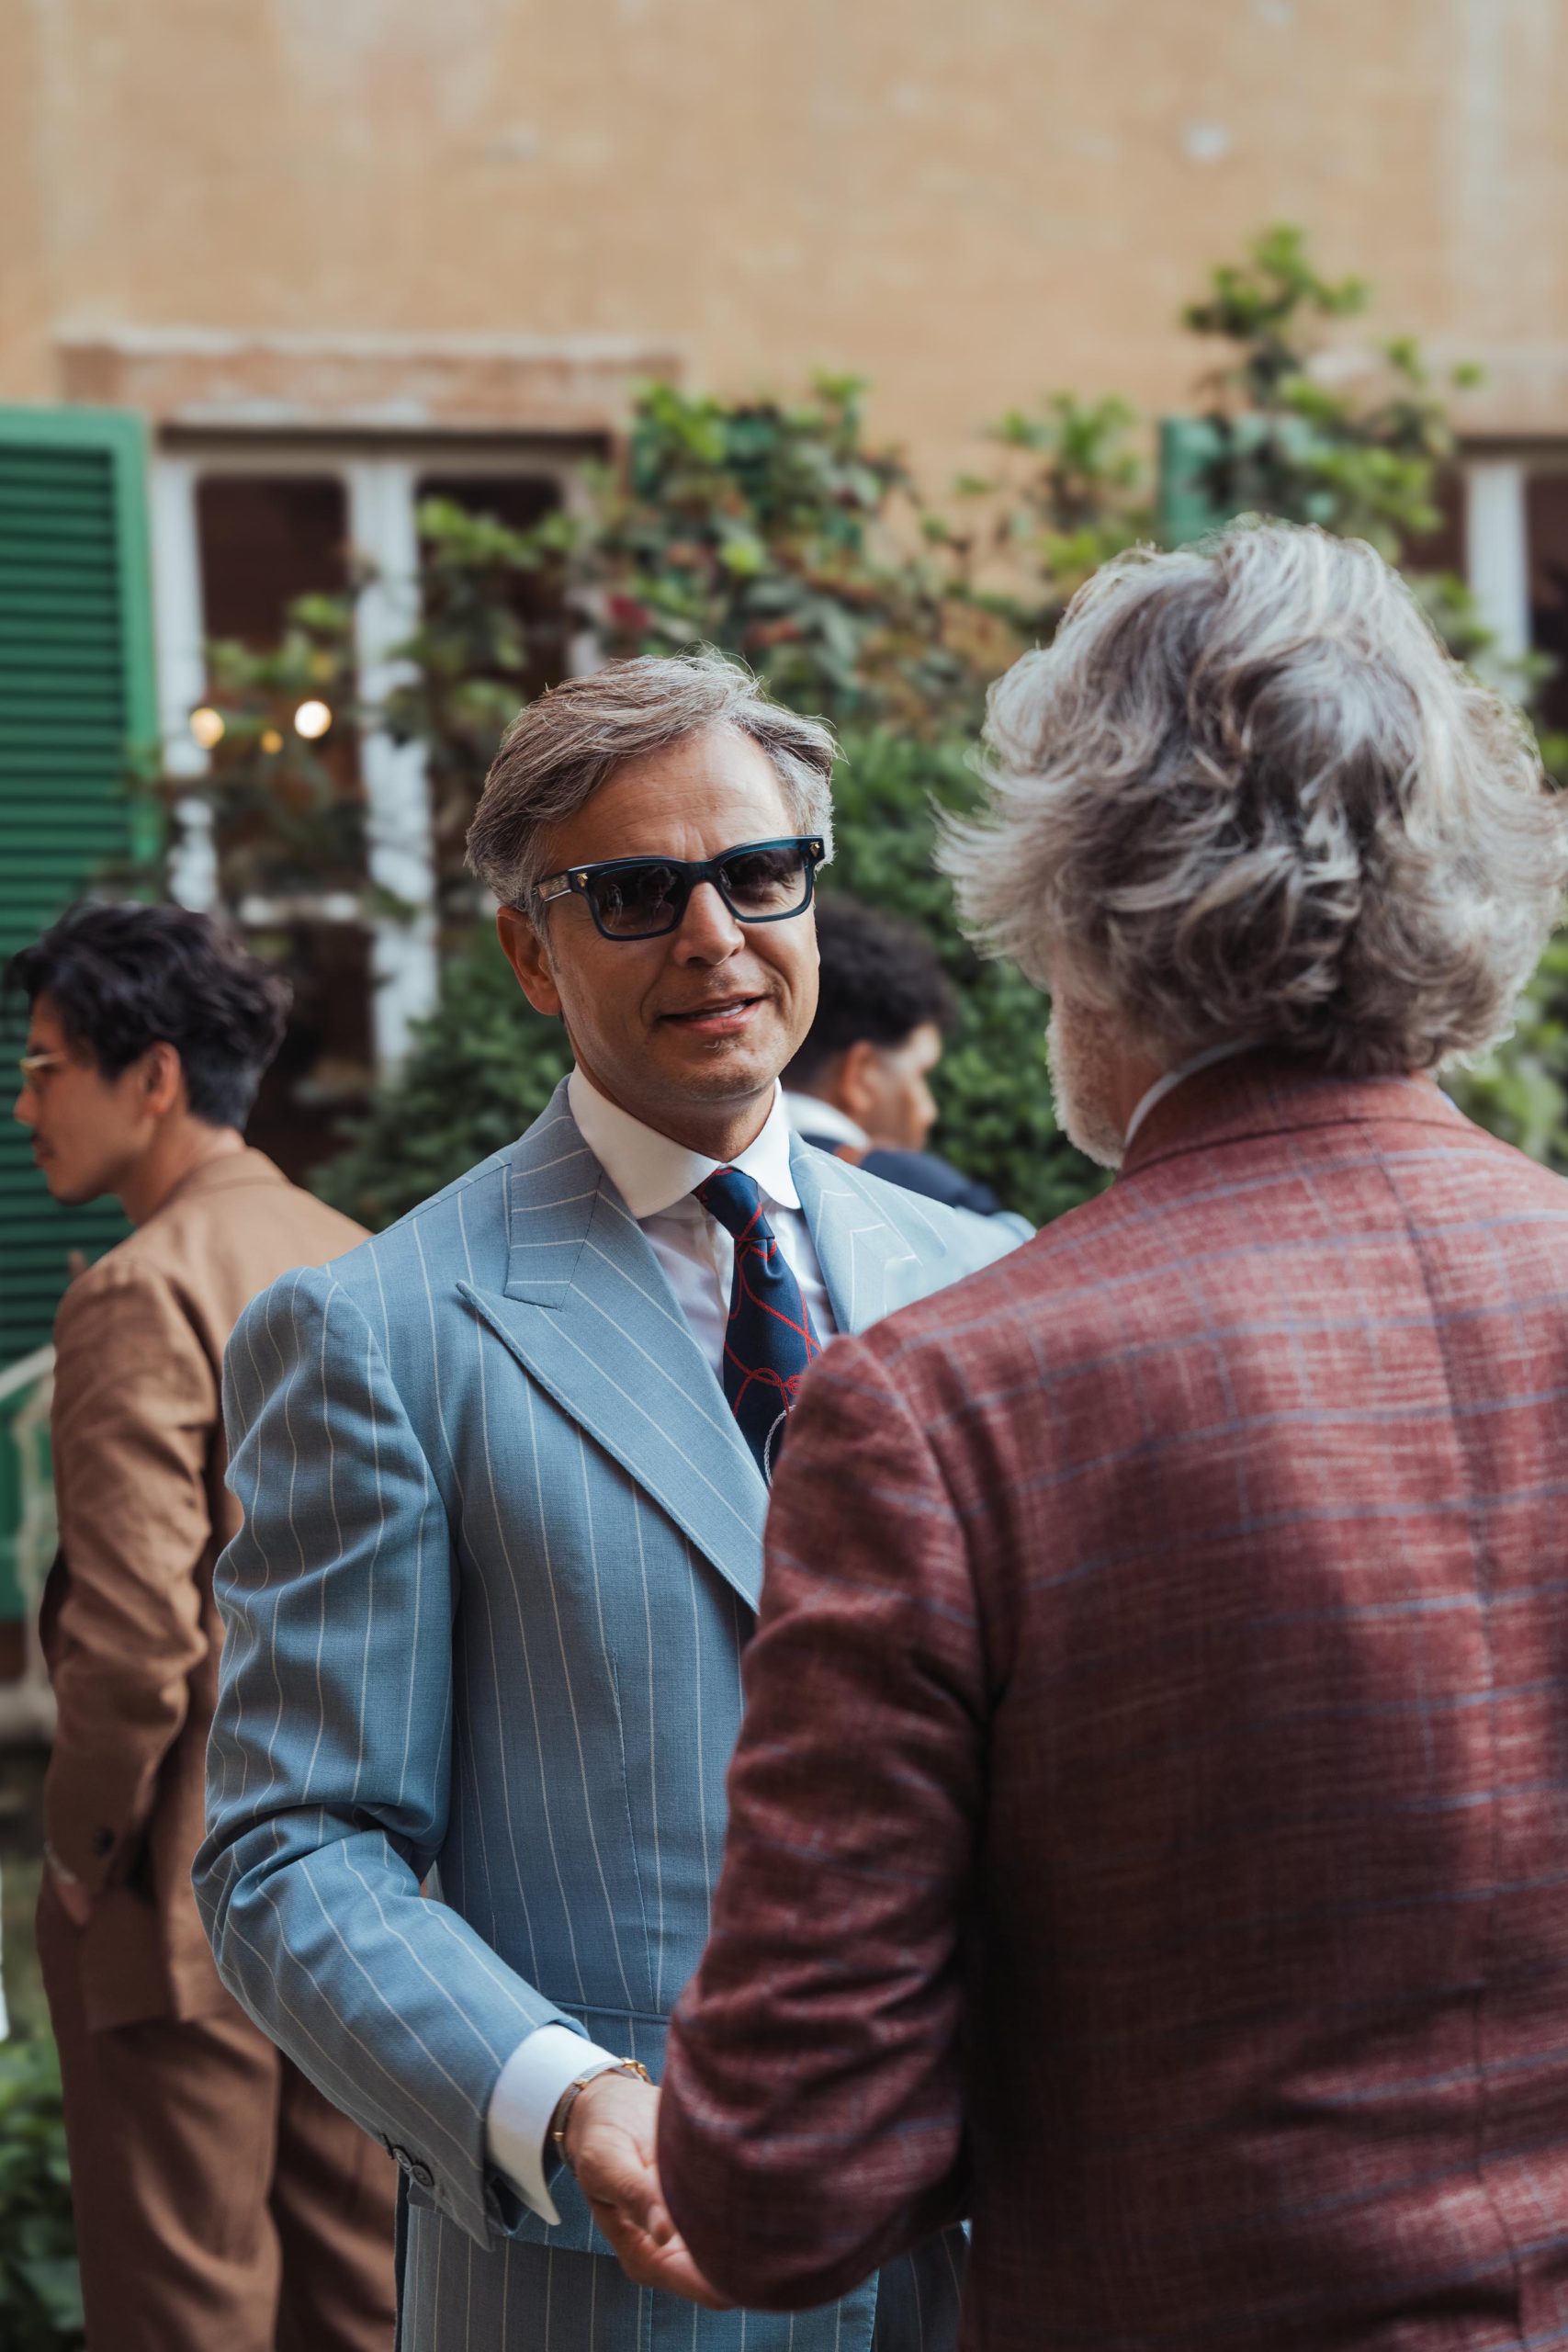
<point>441,1209</point>
<point>997,1301</point>
<point>321,1230</point>
<point>123,1266</point>
<point>133,1270</point>
<point>955,1237</point>
<point>1506,1163</point>
<point>384,1273</point>
<point>299,1289</point>
<point>245,1224</point>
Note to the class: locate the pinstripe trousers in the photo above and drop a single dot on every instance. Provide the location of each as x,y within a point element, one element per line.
<point>585,2302</point>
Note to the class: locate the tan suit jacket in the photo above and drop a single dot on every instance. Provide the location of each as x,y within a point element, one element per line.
<point>130,1628</point>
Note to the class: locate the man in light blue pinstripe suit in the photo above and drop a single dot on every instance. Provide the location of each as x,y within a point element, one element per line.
<point>504,1477</point>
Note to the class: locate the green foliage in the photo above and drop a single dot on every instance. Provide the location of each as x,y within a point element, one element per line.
<point>996,1117</point>
<point>1259,304</point>
<point>464,669</point>
<point>1357,452</point>
<point>1358,460</point>
<point>1069,490</point>
<point>285,810</point>
<point>40,2290</point>
<point>777,533</point>
<point>1517,1090</point>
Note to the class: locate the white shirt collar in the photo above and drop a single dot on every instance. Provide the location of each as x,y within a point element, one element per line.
<point>653,1173</point>
<point>810,1115</point>
<point>1172,1078</point>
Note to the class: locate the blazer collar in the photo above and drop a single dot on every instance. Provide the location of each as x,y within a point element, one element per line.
<point>587,1311</point>
<point>1264,1092</point>
<point>867,1263</point>
<point>226,1173</point>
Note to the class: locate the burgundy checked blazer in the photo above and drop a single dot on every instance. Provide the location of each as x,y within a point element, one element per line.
<point>1150,1828</point>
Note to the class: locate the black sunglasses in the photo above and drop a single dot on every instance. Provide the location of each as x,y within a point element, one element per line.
<point>642,897</point>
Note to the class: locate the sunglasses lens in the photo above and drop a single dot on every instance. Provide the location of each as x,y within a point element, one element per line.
<point>761,883</point>
<point>637,900</point>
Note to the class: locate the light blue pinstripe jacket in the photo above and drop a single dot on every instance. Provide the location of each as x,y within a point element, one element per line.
<point>501,1552</point>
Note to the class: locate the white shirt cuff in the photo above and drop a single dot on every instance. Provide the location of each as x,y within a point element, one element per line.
<point>528,2091</point>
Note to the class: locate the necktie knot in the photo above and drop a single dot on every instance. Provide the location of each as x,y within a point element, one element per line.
<point>769,1339</point>
<point>736,1201</point>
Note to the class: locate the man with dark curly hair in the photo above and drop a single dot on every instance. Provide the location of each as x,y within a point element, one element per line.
<point>221,2201</point>
<point>860,1085</point>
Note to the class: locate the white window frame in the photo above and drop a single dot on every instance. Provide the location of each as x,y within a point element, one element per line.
<point>1497,555</point>
<point>379,481</point>
<point>1497,551</point>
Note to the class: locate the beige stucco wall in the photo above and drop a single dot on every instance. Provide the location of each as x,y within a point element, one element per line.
<point>966,199</point>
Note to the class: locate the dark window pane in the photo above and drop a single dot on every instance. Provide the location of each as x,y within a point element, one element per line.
<point>1546,507</point>
<point>1442,549</point>
<point>322,1072</point>
<point>266,539</point>
<point>517,499</point>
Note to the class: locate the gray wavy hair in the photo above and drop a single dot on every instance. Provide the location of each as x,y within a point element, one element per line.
<point>1246,795</point>
<point>559,750</point>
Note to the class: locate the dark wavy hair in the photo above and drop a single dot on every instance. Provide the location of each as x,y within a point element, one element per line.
<point>125,978</point>
<point>879,982</point>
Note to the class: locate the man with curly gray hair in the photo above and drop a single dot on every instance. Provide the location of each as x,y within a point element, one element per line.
<point>1247,798</point>
<point>1148,1832</point>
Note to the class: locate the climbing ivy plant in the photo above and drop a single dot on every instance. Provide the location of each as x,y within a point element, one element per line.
<point>782,532</point>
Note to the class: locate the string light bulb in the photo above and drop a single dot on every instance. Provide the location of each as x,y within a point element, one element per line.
<point>206,726</point>
<point>312,719</point>
<point>271,739</point>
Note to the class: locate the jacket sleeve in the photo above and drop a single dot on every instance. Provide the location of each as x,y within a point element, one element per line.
<point>811,2125</point>
<point>135,1412</point>
<point>329,1771</point>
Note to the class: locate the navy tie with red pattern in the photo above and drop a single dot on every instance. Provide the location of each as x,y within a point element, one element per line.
<point>769,1340</point>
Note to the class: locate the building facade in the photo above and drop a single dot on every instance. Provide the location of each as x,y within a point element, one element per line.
<point>328,255</point>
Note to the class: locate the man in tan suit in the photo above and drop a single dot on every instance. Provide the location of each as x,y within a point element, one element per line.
<point>222,2204</point>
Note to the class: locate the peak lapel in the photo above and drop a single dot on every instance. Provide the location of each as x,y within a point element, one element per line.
<point>867,1264</point>
<point>588,1312</point>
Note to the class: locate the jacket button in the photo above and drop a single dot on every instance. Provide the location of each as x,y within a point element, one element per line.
<point>102,1842</point>
<point>419,2171</point>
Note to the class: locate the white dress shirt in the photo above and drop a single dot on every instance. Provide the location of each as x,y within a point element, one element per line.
<point>1172,1078</point>
<point>657,1179</point>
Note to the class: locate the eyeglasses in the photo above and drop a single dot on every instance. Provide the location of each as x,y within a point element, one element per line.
<point>643,897</point>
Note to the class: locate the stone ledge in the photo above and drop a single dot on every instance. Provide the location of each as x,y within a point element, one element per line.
<point>196,376</point>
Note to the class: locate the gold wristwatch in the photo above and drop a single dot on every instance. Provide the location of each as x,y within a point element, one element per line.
<point>574,2091</point>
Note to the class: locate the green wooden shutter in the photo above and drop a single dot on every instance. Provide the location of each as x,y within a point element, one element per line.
<point>77,696</point>
<point>1191,447</point>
